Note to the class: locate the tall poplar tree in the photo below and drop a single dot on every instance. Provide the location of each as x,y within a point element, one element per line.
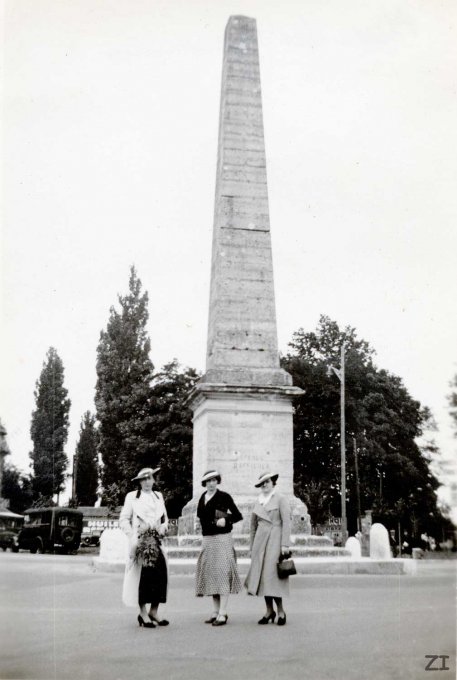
<point>123,392</point>
<point>86,462</point>
<point>49,429</point>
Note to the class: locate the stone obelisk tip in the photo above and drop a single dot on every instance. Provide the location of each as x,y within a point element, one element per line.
<point>242,336</point>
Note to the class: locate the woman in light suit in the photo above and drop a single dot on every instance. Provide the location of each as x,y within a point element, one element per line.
<point>270,537</point>
<point>143,584</point>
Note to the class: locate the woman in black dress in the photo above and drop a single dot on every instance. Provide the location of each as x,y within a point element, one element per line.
<point>217,573</point>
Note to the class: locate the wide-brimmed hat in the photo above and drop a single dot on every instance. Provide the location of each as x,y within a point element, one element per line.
<point>265,476</point>
<point>145,472</point>
<point>211,474</point>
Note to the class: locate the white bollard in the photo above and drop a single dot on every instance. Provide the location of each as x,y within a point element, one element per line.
<point>354,547</point>
<point>113,546</point>
<point>379,543</point>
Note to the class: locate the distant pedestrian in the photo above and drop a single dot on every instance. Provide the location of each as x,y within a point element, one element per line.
<point>393,543</point>
<point>144,519</point>
<point>406,545</point>
<point>424,541</point>
<point>217,572</point>
<point>270,538</point>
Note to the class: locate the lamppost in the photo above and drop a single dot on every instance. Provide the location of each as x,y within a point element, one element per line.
<point>75,472</point>
<point>357,485</point>
<point>340,374</point>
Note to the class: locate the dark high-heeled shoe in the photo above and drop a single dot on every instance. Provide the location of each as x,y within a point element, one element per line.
<point>146,624</point>
<point>267,619</point>
<point>161,622</point>
<point>211,619</point>
<point>282,620</point>
<point>221,620</point>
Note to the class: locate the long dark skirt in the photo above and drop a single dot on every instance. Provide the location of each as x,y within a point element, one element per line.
<point>153,583</point>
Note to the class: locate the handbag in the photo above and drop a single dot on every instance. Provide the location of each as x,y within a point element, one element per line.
<point>286,567</point>
<point>220,514</point>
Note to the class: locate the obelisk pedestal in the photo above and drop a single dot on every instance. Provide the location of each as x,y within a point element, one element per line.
<point>243,404</point>
<point>242,433</point>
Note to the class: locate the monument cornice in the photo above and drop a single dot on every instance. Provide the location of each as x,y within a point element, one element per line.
<point>221,390</point>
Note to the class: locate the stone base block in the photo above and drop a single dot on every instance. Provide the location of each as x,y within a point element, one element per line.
<point>188,524</point>
<point>341,566</point>
<point>242,540</point>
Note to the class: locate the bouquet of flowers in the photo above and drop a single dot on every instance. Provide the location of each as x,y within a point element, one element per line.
<point>148,547</point>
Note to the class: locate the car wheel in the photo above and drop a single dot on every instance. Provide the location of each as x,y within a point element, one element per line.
<point>4,548</point>
<point>15,549</point>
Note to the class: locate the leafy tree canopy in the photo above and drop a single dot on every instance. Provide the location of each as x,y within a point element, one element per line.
<point>381,416</point>
<point>172,425</point>
<point>144,420</point>
<point>453,402</point>
<point>17,488</point>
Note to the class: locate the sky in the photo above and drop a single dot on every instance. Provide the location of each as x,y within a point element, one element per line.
<point>109,146</point>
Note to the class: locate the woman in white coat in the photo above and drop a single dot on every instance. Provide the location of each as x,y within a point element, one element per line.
<point>143,585</point>
<point>270,537</point>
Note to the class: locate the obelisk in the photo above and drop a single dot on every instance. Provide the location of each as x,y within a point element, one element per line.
<point>242,406</point>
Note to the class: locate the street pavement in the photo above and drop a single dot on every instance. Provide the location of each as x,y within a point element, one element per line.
<point>62,620</point>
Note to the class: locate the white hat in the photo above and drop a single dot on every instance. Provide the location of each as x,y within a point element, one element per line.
<point>265,476</point>
<point>211,474</point>
<point>145,472</point>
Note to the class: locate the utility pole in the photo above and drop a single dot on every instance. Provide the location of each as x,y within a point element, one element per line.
<point>340,373</point>
<point>344,521</point>
<point>75,472</point>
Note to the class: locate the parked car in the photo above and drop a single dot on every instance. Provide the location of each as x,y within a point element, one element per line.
<point>10,525</point>
<point>51,529</point>
<point>95,521</point>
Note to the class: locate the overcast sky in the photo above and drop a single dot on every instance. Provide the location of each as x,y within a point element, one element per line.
<point>109,156</point>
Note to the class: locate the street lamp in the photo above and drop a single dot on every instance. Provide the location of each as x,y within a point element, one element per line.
<point>74,475</point>
<point>340,374</point>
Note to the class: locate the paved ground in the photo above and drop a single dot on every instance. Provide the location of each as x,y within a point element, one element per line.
<point>61,620</point>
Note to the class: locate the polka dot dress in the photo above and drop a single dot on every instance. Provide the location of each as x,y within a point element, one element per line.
<point>217,573</point>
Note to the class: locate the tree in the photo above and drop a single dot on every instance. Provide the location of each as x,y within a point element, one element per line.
<point>453,402</point>
<point>123,391</point>
<point>17,488</point>
<point>384,419</point>
<point>172,425</point>
<point>86,462</point>
<point>49,428</point>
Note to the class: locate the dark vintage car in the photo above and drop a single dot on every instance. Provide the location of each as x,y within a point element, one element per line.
<point>10,525</point>
<point>51,529</point>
